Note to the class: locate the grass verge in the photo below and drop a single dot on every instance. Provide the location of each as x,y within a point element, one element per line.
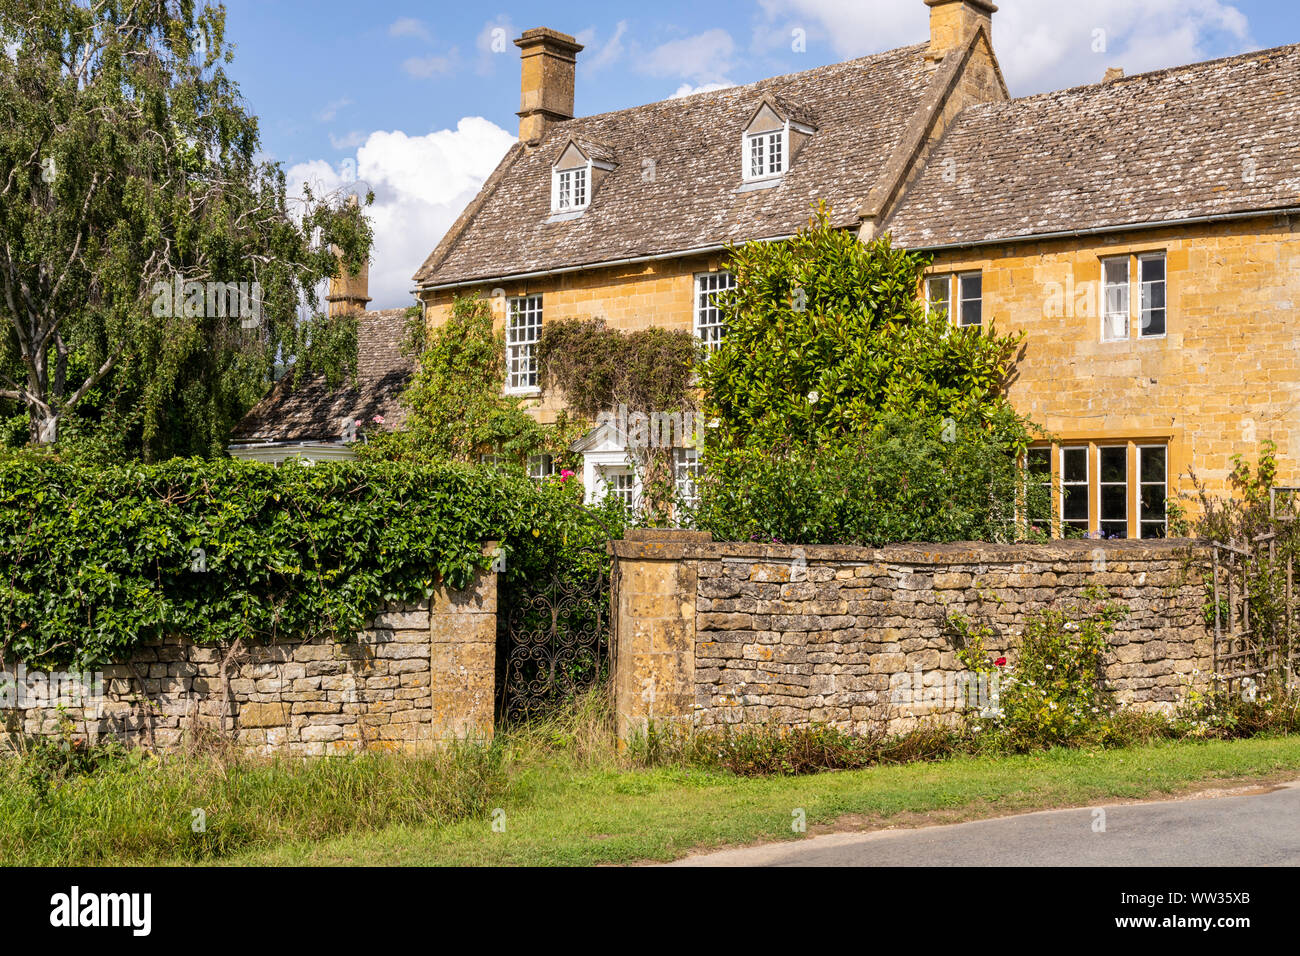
<point>559,814</point>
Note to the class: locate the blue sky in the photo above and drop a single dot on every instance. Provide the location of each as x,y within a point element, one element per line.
<point>411,99</point>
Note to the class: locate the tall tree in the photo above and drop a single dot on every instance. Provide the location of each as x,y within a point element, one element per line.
<point>151,269</point>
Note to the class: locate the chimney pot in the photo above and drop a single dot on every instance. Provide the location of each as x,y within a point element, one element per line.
<point>549,59</point>
<point>953,21</point>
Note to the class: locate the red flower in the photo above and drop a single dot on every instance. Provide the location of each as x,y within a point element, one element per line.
<point>1000,662</point>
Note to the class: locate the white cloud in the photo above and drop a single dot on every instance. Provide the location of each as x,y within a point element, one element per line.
<point>409,27</point>
<point>421,184</point>
<point>1041,46</point>
<point>609,53</point>
<point>424,67</point>
<point>331,110</point>
<point>687,90</point>
<point>348,141</point>
<point>703,58</point>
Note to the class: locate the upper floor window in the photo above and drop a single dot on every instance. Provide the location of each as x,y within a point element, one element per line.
<point>1117,298</point>
<point>523,330</point>
<point>965,288</point>
<point>766,154</point>
<point>576,173</point>
<point>709,323</point>
<point>571,189</point>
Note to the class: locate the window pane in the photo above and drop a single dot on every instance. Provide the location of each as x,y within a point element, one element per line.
<point>1074,464</point>
<point>1115,299</point>
<point>1075,507</point>
<point>971,290</point>
<point>1114,464</point>
<point>1040,462</point>
<point>1152,274</point>
<point>936,293</point>
<point>1153,465</point>
<point>1153,503</point>
<point>1114,502</point>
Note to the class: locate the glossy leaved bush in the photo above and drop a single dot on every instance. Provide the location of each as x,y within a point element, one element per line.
<point>95,561</point>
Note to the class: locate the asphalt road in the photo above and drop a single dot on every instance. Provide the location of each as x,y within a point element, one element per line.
<point>1253,829</point>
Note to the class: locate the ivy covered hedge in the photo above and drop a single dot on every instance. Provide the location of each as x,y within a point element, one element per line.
<point>96,561</point>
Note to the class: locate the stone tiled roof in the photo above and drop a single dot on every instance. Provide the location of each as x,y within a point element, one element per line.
<point>312,411</point>
<point>1213,138</point>
<point>679,170</point>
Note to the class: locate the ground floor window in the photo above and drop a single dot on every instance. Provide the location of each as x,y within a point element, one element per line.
<point>541,467</point>
<point>686,475</point>
<point>1103,488</point>
<point>621,483</point>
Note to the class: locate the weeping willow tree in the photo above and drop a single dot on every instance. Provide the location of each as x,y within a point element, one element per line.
<point>152,269</point>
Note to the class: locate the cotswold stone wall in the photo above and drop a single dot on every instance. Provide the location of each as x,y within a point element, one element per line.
<point>418,674</point>
<point>858,637</point>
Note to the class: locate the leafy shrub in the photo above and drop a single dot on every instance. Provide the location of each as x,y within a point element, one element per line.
<point>906,482</point>
<point>96,561</point>
<point>1053,693</point>
<point>825,335</point>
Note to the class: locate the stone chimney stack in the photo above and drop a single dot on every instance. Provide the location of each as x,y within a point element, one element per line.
<point>349,293</point>
<point>1113,73</point>
<point>546,91</point>
<point>953,21</point>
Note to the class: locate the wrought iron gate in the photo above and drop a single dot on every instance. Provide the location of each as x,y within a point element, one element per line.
<point>554,640</point>
<point>1251,640</point>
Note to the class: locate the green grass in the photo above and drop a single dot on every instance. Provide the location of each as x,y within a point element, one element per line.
<point>57,810</point>
<point>568,797</point>
<point>561,814</point>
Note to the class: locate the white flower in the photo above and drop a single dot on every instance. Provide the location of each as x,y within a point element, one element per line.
<point>813,398</point>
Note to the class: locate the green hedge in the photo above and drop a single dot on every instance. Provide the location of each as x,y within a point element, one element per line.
<point>96,561</point>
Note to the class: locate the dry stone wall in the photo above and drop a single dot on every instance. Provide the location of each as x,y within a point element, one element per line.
<point>860,638</point>
<point>418,674</point>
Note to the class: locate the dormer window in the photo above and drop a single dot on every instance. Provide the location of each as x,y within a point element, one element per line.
<point>575,176</point>
<point>571,190</point>
<point>774,135</point>
<point>766,154</point>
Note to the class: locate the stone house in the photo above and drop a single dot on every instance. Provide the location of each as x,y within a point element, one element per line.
<point>1141,231</point>
<point>307,418</point>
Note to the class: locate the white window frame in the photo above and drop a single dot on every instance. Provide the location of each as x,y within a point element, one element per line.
<point>565,183</point>
<point>1110,317</point>
<point>541,467</point>
<point>621,482</point>
<point>1086,484</point>
<point>521,343</point>
<point>1141,522</point>
<point>1144,287</point>
<point>710,329</point>
<point>960,280</point>
<point>765,143</point>
<point>1103,485</point>
<point>946,282</point>
<point>686,475</point>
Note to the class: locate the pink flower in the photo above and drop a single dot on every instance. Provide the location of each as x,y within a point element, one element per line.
<point>565,475</point>
<point>378,419</point>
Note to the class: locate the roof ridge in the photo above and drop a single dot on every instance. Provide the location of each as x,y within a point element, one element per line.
<point>1149,74</point>
<point>842,64</point>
